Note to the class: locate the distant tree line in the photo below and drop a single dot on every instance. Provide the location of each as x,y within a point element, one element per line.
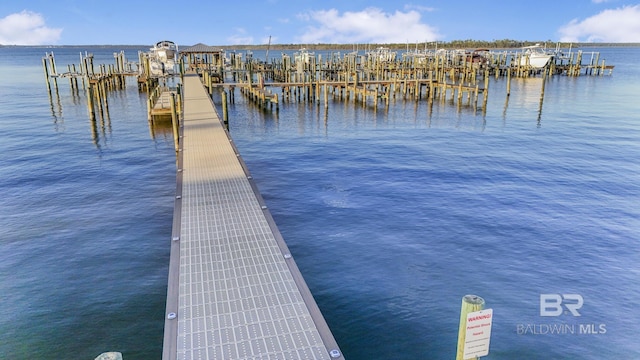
<point>455,44</point>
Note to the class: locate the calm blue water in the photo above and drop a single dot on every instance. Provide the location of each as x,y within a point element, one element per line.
<point>392,215</point>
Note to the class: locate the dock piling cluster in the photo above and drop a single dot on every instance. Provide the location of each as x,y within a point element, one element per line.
<point>381,75</point>
<point>371,78</point>
<point>96,84</point>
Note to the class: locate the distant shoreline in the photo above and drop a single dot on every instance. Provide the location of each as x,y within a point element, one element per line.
<point>466,44</point>
<point>431,46</point>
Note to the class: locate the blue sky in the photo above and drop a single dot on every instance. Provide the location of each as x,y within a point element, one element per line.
<point>117,22</point>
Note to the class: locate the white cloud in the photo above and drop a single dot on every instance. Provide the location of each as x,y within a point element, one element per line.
<point>612,25</point>
<point>240,37</point>
<point>27,28</point>
<point>240,40</point>
<point>369,25</point>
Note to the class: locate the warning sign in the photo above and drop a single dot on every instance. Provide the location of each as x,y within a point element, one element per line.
<point>476,341</point>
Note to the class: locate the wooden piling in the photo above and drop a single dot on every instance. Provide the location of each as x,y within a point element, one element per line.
<point>97,95</point>
<point>104,96</point>
<point>54,72</point>
<point>52,62</point>
<point>179,98</point>
<point>364,76</point>
<point>174,122</point>
<point>46,73</point>
<point>225,111</point>
<point>544,81</point>
<point>90,105</point>
<point>326,96</point>
<point>470,303</point>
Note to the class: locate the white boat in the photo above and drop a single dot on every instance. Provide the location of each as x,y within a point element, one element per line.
<point>418,57</point>
<point>382,54</point>
<point>163,57</point>
<point>535,56</point>
<point>303,56</point>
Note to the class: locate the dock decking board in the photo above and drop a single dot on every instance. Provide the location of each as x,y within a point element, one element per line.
<point>233,285</point>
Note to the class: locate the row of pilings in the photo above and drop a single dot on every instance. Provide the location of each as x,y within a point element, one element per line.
<point>375,77</point>
<point>94,80</point>
<point>382,75</point>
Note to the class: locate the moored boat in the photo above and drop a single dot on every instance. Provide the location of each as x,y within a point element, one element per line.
<point>535,56</point>
<point>382,54</point>
<point>163,58</point>
<point>303,56</point>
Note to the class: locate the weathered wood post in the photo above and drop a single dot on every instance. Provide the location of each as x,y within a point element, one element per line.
<point>149,105</point>
<point>52,61</point>
<point>578,63</point>
<point>179,98</point>
<point>326,95</point>
<point>70,78</point>
<point>46,69</point>
<point>46,73</point>
<point>225,111</point>
<point>375,98</point>
<point>97,94</point>
<point>508,81</point>
<point>174,121</point>
<point>104,96</point>
<point>75,78</point>
<point>485,92</point>
<point>470,303</point>
<point>90,106</point>
<point>54,72</point>
<point>544,81</point>
<point>475,96</point>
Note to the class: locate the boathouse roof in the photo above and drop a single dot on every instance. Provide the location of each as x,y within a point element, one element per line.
<point>201,48</point>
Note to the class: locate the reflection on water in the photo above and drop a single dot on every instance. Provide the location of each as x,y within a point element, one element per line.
<point>100,125</point>
<point>527,93</point>
<point>160,127</point>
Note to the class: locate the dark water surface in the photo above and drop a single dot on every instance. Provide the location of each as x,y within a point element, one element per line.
<point>392,215</point>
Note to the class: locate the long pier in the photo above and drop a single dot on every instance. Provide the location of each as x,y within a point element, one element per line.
<point>234,290</point>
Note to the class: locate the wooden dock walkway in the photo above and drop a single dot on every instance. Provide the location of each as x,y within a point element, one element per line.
<point>234,291</point>
<point>162,104</point>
